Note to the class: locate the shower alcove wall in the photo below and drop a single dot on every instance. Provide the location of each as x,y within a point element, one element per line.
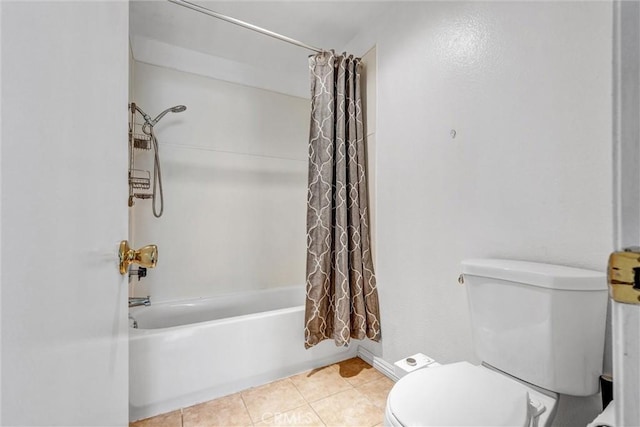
<point>234,169</point>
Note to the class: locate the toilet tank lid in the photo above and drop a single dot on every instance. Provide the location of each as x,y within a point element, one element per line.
<point>537,274</point>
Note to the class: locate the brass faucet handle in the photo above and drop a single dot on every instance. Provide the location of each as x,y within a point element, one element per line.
<point>146,256</point>
<point>624,276</point>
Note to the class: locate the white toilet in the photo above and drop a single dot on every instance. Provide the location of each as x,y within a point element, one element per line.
<point>538,329</point>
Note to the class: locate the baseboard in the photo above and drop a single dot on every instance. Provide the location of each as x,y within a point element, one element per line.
<point>378,363</point>
<point>365,355</point>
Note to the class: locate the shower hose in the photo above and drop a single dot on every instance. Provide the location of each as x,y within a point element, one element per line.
<point>157,177</point>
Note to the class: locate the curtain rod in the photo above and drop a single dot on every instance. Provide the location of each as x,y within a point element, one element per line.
<point>252,27</point>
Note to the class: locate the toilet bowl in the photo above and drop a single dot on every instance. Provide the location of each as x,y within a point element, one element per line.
<point>539,330</point>
<point>461,394</point>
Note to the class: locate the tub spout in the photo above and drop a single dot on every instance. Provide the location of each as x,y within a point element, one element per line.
<point>138,301</point>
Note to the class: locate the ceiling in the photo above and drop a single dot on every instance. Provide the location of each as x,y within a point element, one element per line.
<point>324,24</point>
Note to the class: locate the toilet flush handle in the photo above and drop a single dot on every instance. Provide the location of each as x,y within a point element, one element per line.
<point>461,279</point>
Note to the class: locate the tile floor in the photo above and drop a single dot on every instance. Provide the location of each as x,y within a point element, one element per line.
<point>348,393</point>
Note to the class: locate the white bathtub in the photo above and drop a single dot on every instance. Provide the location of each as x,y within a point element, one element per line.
<point>187,352</point>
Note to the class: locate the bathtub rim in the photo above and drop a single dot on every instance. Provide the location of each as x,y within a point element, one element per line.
<point>145,332</point>
<point>202,301</point>
<point>188,299</point>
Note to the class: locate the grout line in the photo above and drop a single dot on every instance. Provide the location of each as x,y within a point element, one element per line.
<point>297,389</point>
<point>328,395</point>
<point>317,414</point>
<point>332,394</point>
<point>375,406</point>
<point>374,379</point>
<point>246,408</point>
<point>367,397</point>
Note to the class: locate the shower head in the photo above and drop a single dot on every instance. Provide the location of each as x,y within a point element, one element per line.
<point>176,109</point>
<point>150,122</point>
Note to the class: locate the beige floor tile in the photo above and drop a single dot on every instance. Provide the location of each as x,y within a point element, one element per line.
<point>226,411</point>
<point>376,391</point>
<point>348,408</point>
<point>170,419</point>
<point>319,383</point>
<point>302,416</point>
<point>357,372</point>
<point>270,399</point>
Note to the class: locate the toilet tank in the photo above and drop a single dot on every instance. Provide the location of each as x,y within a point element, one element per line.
<point>542,323</point>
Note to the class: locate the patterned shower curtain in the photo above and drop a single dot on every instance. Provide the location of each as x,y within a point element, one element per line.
<point>342,299</point>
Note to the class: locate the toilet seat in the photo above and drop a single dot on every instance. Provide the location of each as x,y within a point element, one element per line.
<point>461,394</point>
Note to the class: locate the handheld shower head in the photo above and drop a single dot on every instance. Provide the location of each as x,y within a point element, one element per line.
<point>149,123</point>
<point>176,109</point>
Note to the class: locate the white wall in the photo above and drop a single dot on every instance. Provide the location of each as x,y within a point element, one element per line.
<point>527,88</point>
<point>291,81</point>
<point>235,173</point>
<point>368,81</point>
<point>369,101</point>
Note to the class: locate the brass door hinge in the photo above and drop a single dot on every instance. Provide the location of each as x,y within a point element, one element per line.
<point>623,275</point>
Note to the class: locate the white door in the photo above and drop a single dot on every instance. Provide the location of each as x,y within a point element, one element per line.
<point>63,213</point>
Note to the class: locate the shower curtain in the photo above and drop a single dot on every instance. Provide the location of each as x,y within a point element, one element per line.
<point>342,299</point>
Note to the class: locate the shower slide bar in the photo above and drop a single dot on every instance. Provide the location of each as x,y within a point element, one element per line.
<point>197,8</point>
